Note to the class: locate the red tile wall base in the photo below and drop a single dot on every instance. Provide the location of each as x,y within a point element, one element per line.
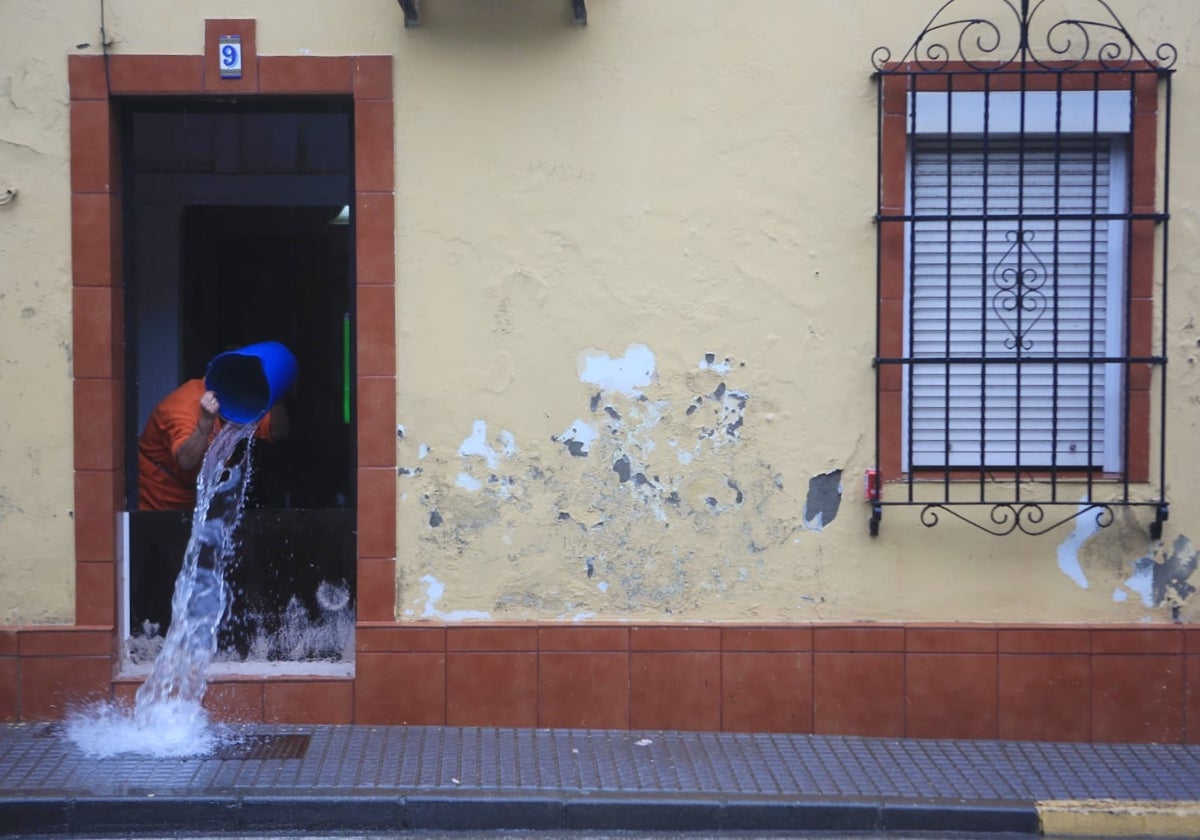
<point>1027,682</point>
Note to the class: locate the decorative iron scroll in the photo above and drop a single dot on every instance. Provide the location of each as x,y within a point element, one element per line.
<point>990,45</point>
<point>1028,518</point>
<point>1019,301</point>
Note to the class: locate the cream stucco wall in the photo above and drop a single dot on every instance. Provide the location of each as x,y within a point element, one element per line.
<point>679,178</point>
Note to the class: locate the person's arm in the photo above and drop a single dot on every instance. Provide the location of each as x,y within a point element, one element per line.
<point>279,424</point>
<point>191,451</point>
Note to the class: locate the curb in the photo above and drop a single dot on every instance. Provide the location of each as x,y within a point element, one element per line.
<point>1119,818</point>
<point>449,811</point>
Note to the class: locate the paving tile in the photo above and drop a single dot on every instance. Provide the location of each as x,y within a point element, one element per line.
<point>583,690</point>
<point>491,686</point>
<point>373,77</point>
<point>766,692</point>
<point>1137,698</point>
<point>400,688</point>
<point>309,701</point>
<point>950,695</point>
<point>675,690</point>
<point>858,693</point>
<point>583,638</point>
<point>305,74</point>
<point>1045,697</point>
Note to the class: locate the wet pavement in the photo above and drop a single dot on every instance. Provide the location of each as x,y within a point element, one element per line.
<point>385,779</point>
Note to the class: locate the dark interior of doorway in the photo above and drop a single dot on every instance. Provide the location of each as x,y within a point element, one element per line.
<point>278,273</point>
<point>255,188</point>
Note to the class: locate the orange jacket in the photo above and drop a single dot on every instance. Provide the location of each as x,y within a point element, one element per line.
<point>162,483</point>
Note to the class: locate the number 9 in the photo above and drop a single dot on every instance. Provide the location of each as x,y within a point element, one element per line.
<point>229,55</point>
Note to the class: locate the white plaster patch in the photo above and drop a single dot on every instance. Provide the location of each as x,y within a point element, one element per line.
<point>817,523</point>
<point>625,375</point>
<point>477,445</point>
<point>422,450</point>
<point>1120,596</point>
<point>580,434</point>
<point>434,589</point>
<point>468,482</point>
<point>1068,549</point>
<point>709,362</point>
<point>1142,582</point>
<point>508,443</point>
<point>602,586</point>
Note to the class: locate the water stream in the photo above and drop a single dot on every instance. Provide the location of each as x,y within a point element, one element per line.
<point>168,717</point>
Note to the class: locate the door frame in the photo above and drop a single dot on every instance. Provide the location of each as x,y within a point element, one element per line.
<point>96,83</point>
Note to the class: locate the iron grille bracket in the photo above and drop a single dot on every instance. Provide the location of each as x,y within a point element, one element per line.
<point>1006,517</point>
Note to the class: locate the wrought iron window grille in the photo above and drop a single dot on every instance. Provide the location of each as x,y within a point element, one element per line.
<point>1021,324</point>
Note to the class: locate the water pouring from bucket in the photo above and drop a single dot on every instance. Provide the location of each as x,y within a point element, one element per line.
<point>169,714</point>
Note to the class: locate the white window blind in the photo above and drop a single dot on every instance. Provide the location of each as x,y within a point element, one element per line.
<point>986,292</point>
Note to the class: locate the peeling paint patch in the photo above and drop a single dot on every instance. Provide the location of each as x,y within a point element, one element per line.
<point>823,500</point>
<point>728,415</point>
<point>508,443</point>
<point>468,482</point>
<point>577,438</point>
<point>399,432</point>
<point>422,451</point>
<point>434,590</point>
<point>435,519</point>
<point>1141,582</point>
<point>624,375</point>
<point>709,362</point>
<point>477,445</point>
<point>1163,575</point>
<point>621,468</point>
<point>1068,549</point>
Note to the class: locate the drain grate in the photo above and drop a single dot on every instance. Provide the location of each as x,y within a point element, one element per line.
<point>265,746</point>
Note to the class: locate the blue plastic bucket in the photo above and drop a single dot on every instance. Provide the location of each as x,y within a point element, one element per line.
<point>251,379</point>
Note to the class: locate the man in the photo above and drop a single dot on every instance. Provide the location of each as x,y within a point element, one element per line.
<point>177,434</point>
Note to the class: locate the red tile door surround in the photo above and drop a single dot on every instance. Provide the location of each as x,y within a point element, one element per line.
<point>98,316</point>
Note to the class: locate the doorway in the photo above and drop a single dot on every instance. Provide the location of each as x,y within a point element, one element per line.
<point>236,234</point>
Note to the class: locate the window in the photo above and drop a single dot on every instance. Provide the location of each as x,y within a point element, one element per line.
<point>1021,272</point>
<point>1016,279</point>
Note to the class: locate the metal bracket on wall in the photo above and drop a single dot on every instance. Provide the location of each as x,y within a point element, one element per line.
<point>412,15</point>
<point>1161,515</point>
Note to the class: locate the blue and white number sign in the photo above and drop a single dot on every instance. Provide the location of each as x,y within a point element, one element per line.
<point>229,56</point>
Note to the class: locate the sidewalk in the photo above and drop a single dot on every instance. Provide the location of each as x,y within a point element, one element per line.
<point>364,778</point>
